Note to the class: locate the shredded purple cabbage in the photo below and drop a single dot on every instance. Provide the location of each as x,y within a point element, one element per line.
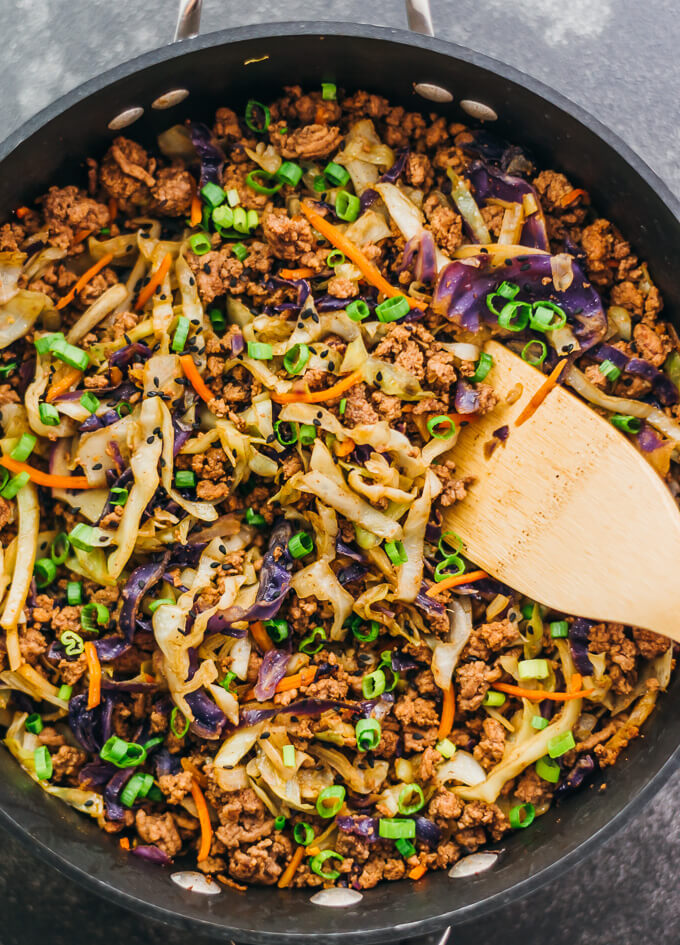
<point>364,827</point>
<point>140,581</point>
<point>578,644</point>
<point>351,573</point>
<point>584,769</point>
<point>151,854</point>
<point>397,169</point>
<point>421,253</point>
<point>271,672</point>
<point>209,719</point>
<point>428,831</point>
<point>648,439</point>
<point>112,791</point>
<point>467,397</point>
<point>210,155</point>
<point>492,184</point>
<point>303,707</point>
<point>91,727</point>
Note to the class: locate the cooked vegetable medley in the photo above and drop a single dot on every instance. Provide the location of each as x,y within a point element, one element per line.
<point>237,622</point>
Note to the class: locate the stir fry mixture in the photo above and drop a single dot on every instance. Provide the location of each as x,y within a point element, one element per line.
<point>237,623</point>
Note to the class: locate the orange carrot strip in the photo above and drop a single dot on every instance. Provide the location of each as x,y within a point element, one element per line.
<point>572,196</point>
<point>542,392</point>
<point>81,235</point>
<point>417,872</point>
<point>22,212</point>
<point>124,843</point>
<point>198,776</point>
<point>94,692</point>
<point>537,695</point>
<point>344,449</point>
<point>41,478</point>
<point>261,636</point>
<point>576,682</point>
<point>340,241</point>
<point>113,209</point>
<point>196,211</point>
<point>319,396</point>
<point>62,382</point>
<point>292,868</point>
<point>204,821</point>
<point>153,283</point>
<point>304,273</point>
<point>303,678</point>
<point>455,580</point>
<point>195,379</point>
<point>448,713</point>
<point>461,418</point>
<point>83,281</point>
<point>313,851</point>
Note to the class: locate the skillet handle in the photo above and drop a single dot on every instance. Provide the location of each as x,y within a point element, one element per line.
<point>418,14</point>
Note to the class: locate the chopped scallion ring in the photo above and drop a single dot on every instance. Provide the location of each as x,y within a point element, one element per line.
<point>213,194</point>
<point>441,434</point>
<point>233,197</point>
<point>280,822</point>
<point>70,354</point>
<point>64,692</point>
<point>14,485</point>
<point>124,409</point>
<point>7,369</point>
<point>628,424</point>
<point>314,642</point>
<point>546,316</point>
<point>317,862</point>
<point>396,552</point>
<point>307,433</point>
<point>301,544</point>
<point>494,698</point>
<point>357,310</point>
<point>185,479</point>
<point>330,801</point>
<point>522,815</point>
<point>83,537</point>
<point>548,769</point>
<point>200,244</point>
<point>290,173</point>
<point>329,91</point>
<point>74,593</point>
<point>60,548</point>
<point>288,755</point>
<point>410,799</point>
<point>253,181</point>
<point>303,833</point>
<point>347,206</point>
<point>535,360</point>
<point>260,351</point>
<point>514,316</point>
<point>45,572</point>
<point>505,291</point>
<point>457,541</point>
<point>560,744</point>
<point>90,402</point>
<point>93,616</point>
<point>539,723</point>
<point>218,320</point>
<point>24,447</point>
<point>336,174</point>
<point>366,636</point>
<point>277,629</point>
<point>396,828</point>
<point>72,642</point>
<point>118,495</point>
<point>240,250</point>
<point>181,334</point>
<point>223,217</point>
<point>34,724</point>
<point>49,415</point>
<point>373,684</point>
<point>446,748</point>
<point>43,763</point>
<point>610,371</point>
<point>254,518</point>
<point>252,109</point>
<point>559,629</point>
<point>296,358</point>
<point>286,433</point>
<point>533,669</point>
<point>393,308</point>
<point>138,786</point>
<point>160,602</point>
<point>173,723</point>
<point>405,847</point>
<point>368,734</point>
<point>484,365</point>
<point>445,568</point>
<point>335,258</point>
<point>228,680</point>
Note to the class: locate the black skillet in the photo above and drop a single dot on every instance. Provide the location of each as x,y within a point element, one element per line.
<point>419,72</point>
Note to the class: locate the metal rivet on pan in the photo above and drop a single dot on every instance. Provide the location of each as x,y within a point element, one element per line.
<point>171,98</point>
<point>478,110</point>
<point>337,897</point>
<point>196,882</point>
<point>126,118</point>
<point>435,93</point>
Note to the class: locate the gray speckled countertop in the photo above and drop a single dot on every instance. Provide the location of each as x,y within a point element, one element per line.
<point>616,58</point>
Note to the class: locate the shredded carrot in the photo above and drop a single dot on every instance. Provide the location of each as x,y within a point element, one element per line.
<point>153,283</point>
<point>83,281</point>
<point>319,396</point>
<point>113,209</point>
<point>196,211</point>
<point>344,449</point>
<point>303,678</point>
<point>261,636</point>
<point>313,851</point>
<point>62,382</point>
<point>81,235</point>
<point>22,212</point>
<point>124,843</point>
<point>292,868</point>
<point>542,392</point>
<point>304,273</point>
<point>94,669</point>
<point>417,872</point>
<point>195,379</point>
<point>537,695</point>
<point>455,581</point>
<point>340,241</point>
<point>448,713</point>
<point>576,682</point>
<point>204,821</point>
<point>573,196</point>
<point>41,478</point>
<point>462,418</point>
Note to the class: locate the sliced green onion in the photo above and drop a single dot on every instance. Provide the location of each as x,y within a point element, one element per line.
<point>277,629</point>
<point>559,629</point>
<point>446,748</point>
<point>548,769</point>
<point>139,785</point>
<point>301,544</point>
<point>288,755</point>
<point>60,548</point>
<point>280,822</point>
<point>560,744</point>
<point>173,723</point>
<point>44,342</point>
<point>330,801</point>
<point>317,862</point>
<point>240,251</point>
<point>357,310</point>
<point>336,174</point>
<point>373,684</point>
<point>259,188</point>
<point>342,406</point>
<point>505,291</point>
<point>610,371</point>
<point>185,479</point>
<point>392,309</point>
<point>179,339</point>
<point>240,220</point>
<point>307,433</point>
<point>543,314</point>
<point>74,593</point>
<point>444,568</point>
<point>83,537</point>
<point>200,244</point>
<point>90,402</point>
<point>494,698</point>
<point>114,750</point>
<point>72,642</point>
<point>527,611</point>
<point>319,184</point>
<point>539,723</point>
<point>24,447</point>
<point>14,485</point>
<point>628,424</point>
<point>160,602</point>
<point>484,365</point>
<point>153,743</point>
<point>314,642</point>
<point>522,815</point>
<point>329,91</point>
<point>93,616</point>
<point>251,109</point>
<point>367,734</point>
<point>213,194</point>
<point>233,197</point>
<point>228,680</point>
<point>295,359</point>
<point>303,833</point>
<point>448,431</point>
<point>64,692</point>
<point>335,258</point>
<point>514,316</point>
<point>537,360</point>
<point>533,669</point>
<point>260,351</point>
<point>252,219</point>
<point>43,763</point>
<point>406,803</point>
<point>290,173</point>
<point>124,409</point>
<point>347,206</point>
<point>396,552</point>
<point>45,572</point>
<point>6,369</point>
<point>118,495</point>
<point>254,518</point>
<point>222,217</point>
<point>34,724</point>
<point>396,828</point>
<point>405,847</point>
<point>49,415</point>
<point>367,636</point>
<point>70,354</point>
<point>286,439</point>
<point>218,320</point>
<point>105,231</point>
<point>457,541</point>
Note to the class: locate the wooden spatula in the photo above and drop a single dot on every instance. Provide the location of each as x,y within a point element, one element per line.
<point>566,510</point>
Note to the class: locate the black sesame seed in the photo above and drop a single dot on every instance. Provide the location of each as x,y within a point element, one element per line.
<point>324,353</point>
<point>331,365</point>
<point>97,466</point>
<point>379,376</point>
<point>150,439</point>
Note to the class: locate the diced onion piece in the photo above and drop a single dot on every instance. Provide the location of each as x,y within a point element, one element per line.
<point>562,271</point>
<point>462,767</point>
